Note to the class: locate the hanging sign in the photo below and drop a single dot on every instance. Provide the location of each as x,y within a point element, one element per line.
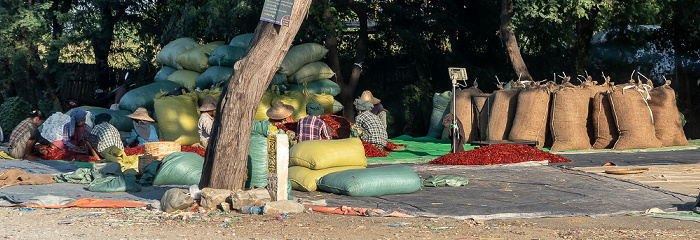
<point>278,12</point>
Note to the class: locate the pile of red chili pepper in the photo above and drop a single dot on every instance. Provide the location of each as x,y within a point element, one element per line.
<point>68,155</point>
<point>372,151</point>
<point>197,150</point>
<point>134,150</point>
<point>498,154</point>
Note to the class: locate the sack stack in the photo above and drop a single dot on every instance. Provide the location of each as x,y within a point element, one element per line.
<point>313,159</point>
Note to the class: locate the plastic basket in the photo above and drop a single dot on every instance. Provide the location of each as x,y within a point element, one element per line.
<point>161,149</point>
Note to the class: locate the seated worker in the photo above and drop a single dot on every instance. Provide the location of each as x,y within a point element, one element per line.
<point>206,120</point>
<point>280,114</point>
<point>368,126</point>
<point>72,138</point>
<point>378,108</point>
<point>312,127</point>
<point>102,136</point>
<point>143,131</point>
<point>25,136</point>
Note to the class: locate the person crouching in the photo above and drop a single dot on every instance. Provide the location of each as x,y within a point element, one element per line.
<point>312,127</point>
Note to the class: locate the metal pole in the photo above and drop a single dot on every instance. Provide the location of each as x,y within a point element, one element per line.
<point>454,116</point>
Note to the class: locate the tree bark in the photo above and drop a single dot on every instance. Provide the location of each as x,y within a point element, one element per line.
<point>507,36</point>
<point>347,89</point>
<point>102,42</point>
<point>225,165</point>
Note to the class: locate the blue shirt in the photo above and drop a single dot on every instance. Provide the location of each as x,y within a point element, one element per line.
<point>135,136</point>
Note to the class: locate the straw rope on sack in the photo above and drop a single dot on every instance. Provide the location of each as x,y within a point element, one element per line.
<point>633,117</point>
<point>531,120</point>
<point>568,120</point>
<point>667,121</point>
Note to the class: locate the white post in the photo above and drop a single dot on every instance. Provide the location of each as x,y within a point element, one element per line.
<point>277,166</point>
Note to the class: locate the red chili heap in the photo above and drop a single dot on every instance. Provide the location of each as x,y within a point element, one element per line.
<point>372,151</point>
<point>498,154</point>
<point>197,150</point>
<point>134,150</point>
<point>339,125</point>
<point>68,155</point>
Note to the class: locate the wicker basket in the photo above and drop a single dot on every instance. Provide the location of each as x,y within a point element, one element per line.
<point>144,160</point>
<point>161,149</point>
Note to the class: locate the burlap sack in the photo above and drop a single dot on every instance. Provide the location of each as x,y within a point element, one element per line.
<point>482,106</point>
<point>595,88</point>
<point>502,113</point>
<point>633,118</point>
<point>667,121</point>
<point>569,119</point>
<point>465,111</point>
<point>531,117</point>
<point>603,122</point>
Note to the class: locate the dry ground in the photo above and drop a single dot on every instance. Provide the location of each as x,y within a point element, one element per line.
<point>143,224</point>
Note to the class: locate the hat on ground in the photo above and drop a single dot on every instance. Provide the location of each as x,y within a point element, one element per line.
<point>367,96</point>
<point>314,109</point>
<point>141,114</point>
<point>208,105</point>
<point>280,111</point>
<point>362,105</point>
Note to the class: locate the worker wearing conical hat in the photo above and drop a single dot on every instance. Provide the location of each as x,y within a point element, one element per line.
<point>377,107</point>
<point>280,114</point>
<point>206,120</point>
<point>143,131</point>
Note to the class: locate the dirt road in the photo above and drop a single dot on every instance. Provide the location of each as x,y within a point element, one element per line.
<point>18,223</point>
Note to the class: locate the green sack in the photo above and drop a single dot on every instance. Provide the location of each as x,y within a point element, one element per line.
<point>168,55</point>
<point>143,96</point>
<point>318,87</point>
<point>149,173</point>
<point>180,168</point>
<point>257,161</point>
<point>278,79</point>
<point>214,75</point>
<point>300,55</point>
<point>185,78</point>
<point>242,40</point>
<point>304,179</point>
<point>126,183</point>
<point>177,118</point>
<point>163,73</point>
<point>80,176</point>
<point>197,59</point>
<point>119,119</point>
<point>445,181</point>
<point>312,72</point>
<point>226,56</point>
<point>396,179</point>
<point>322,154</point>
<point>441,107</point>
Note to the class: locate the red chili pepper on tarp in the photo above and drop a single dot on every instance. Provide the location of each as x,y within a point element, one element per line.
<point>498,154</point>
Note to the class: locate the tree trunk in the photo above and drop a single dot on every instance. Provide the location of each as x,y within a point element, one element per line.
<point>507,36</point>
<point>584,34</point>
<point>102,43</point>
<point>225,165</point>
<point>347,89</point>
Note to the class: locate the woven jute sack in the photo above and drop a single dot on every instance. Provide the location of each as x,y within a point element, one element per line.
<point>482,106</point>
<point>595,88</point>
<point>569,119</point>
<point>633,118</point>
<point>667,121</point>
<point>465,111</point>
<point>532,115</point>
<point>603,122</point>
<point>502,113</point>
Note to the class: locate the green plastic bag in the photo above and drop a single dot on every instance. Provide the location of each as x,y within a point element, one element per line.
<point>242,40</point>
<point>197,59</point>
<point>126,183</point>
<point>214,75</point>
<point>396,179</point>
<point>180,168</point>
<point>168,55</point>
<point>257,161</point>
<point>143,96</point>
<point>226,56</point>
<point>318,87</point>
<point>163,73</point>
<point>312,72</point>
<point>445,181</point>
<point>119,119</point>
<point>185,78</point>
<point>300,55</point>
<point>149,173</point>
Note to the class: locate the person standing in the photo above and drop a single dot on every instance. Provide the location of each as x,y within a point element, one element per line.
<point>377,107</point>
<point>206,120</point>
<point>368,126</point>
<point>103,136</point>
<point>143,131</point>
<point>25,136</point>
<point>312,127</point>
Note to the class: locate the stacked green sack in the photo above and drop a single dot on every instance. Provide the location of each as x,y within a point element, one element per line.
<point>119,119</point>
<point>318,87</point>
<point>257,155</point>
<point>214,75</point>
<point>441,107</point>
<point>184,78</point>
<point>163,73</point>
<point>143,96</point>
<point>179,168</point>
<point>197,59</point>
<point>178,117</point>
<point>168,55</point>
<point>396,179</point>
<point>311,160</point>
<point>226,55</point>
<point>241,41</point>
